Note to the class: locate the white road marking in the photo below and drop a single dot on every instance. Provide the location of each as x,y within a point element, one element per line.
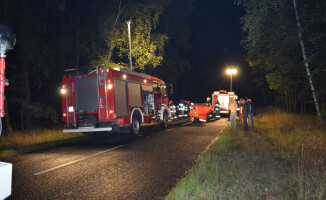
<point>72,162</point>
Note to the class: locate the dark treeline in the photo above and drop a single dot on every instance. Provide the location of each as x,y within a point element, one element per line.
<point>274,52</point>
<point>54,35</point>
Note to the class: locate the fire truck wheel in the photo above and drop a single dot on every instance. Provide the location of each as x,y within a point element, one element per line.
<point>135,126</point>
<point>165,120</point>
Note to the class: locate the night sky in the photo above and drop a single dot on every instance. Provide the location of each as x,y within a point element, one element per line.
<point>215,44</point>
<point>214,40</point>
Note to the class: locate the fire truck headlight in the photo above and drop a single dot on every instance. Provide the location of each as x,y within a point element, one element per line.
<point>110,86</point>
<point>63,91</point>
<point>71,109</point>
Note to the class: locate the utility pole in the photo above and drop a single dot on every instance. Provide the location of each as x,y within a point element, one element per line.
<point>129,35</point>
<point>307,64</point>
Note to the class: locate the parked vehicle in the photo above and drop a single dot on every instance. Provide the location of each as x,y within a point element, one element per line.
<point>215,113</point>
<point>113,100</point>
<point>183,109</point>
<point>223,98</point>
<point>173,110</point>
<point>200,112</point>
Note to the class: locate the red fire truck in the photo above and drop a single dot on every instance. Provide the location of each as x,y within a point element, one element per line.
<point>113,100</point>
<point>223,98</point>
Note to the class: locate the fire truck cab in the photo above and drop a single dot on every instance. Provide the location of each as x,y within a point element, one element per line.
<point>113,100</point>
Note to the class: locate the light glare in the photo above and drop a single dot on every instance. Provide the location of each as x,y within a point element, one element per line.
<point>63,91</point>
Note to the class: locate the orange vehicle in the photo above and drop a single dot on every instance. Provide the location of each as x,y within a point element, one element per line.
<point>200,112</point>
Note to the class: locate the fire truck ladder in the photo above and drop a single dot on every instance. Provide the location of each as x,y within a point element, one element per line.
<point>70,102</point>
<point>102,93</point>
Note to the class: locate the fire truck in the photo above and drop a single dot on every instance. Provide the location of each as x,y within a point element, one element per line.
<point>113,100</point>
<point>223,98</point>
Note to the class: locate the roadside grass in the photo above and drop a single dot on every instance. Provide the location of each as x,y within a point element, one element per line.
<point>283,158</point>
<point>24,141</point>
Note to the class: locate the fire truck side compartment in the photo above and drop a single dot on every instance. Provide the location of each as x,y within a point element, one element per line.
<point>86,94</point>
<point>120,95</point>
<point>134,94</point>
<point>148,99</point>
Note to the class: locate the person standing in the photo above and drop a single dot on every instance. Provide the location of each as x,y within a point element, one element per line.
<point>240,112</point>
<point>251,112</point>
<point>233,116</point>
<point>244,106</point>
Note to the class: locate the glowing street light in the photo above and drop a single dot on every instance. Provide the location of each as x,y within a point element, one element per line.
<point>129,36</point>
<point>231,72</point>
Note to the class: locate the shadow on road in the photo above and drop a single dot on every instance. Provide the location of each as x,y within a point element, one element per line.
<point>109,139</point>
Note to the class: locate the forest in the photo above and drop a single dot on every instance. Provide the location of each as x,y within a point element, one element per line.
<point>55,35</point>
<point>273,50</point>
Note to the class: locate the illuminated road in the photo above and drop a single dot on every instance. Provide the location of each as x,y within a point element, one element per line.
<point>113,167</point>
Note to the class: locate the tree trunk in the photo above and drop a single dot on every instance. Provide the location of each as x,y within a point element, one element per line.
<point>7,121</point>
<point>307,64</point>
<point>27,94</point>
<point>295,98</point>
<point>301,105</point>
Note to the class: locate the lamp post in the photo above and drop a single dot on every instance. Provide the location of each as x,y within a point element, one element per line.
<point>231,72</point>
<point>7,42</point>
<point>129,35</point>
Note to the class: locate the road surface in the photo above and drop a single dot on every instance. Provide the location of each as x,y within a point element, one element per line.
<point>113,167</point>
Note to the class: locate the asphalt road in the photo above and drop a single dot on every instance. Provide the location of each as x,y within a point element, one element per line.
<point>113,167</point>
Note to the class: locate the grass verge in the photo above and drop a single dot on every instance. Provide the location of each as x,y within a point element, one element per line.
<point>283,158</point>
<point>24,141</point>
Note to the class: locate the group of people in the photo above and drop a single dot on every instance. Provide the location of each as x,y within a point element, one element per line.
<point>246,111</point>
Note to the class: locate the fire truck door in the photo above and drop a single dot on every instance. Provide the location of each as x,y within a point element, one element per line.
<point>164,95</point>
<point>120,97</point>
<point>86,94</point>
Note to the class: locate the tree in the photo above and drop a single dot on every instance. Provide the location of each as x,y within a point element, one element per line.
<point>176,67</point>
<point>272,46</point>
<point>307,64</point>
<point>147,44</point>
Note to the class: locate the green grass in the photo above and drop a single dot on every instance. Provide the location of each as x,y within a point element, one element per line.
<point>24,141</point>
<point>284,158</point>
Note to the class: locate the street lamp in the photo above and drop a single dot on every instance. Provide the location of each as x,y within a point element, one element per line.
<point>7,42</point>
<point>231,72</point>
<point>129,36</point>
